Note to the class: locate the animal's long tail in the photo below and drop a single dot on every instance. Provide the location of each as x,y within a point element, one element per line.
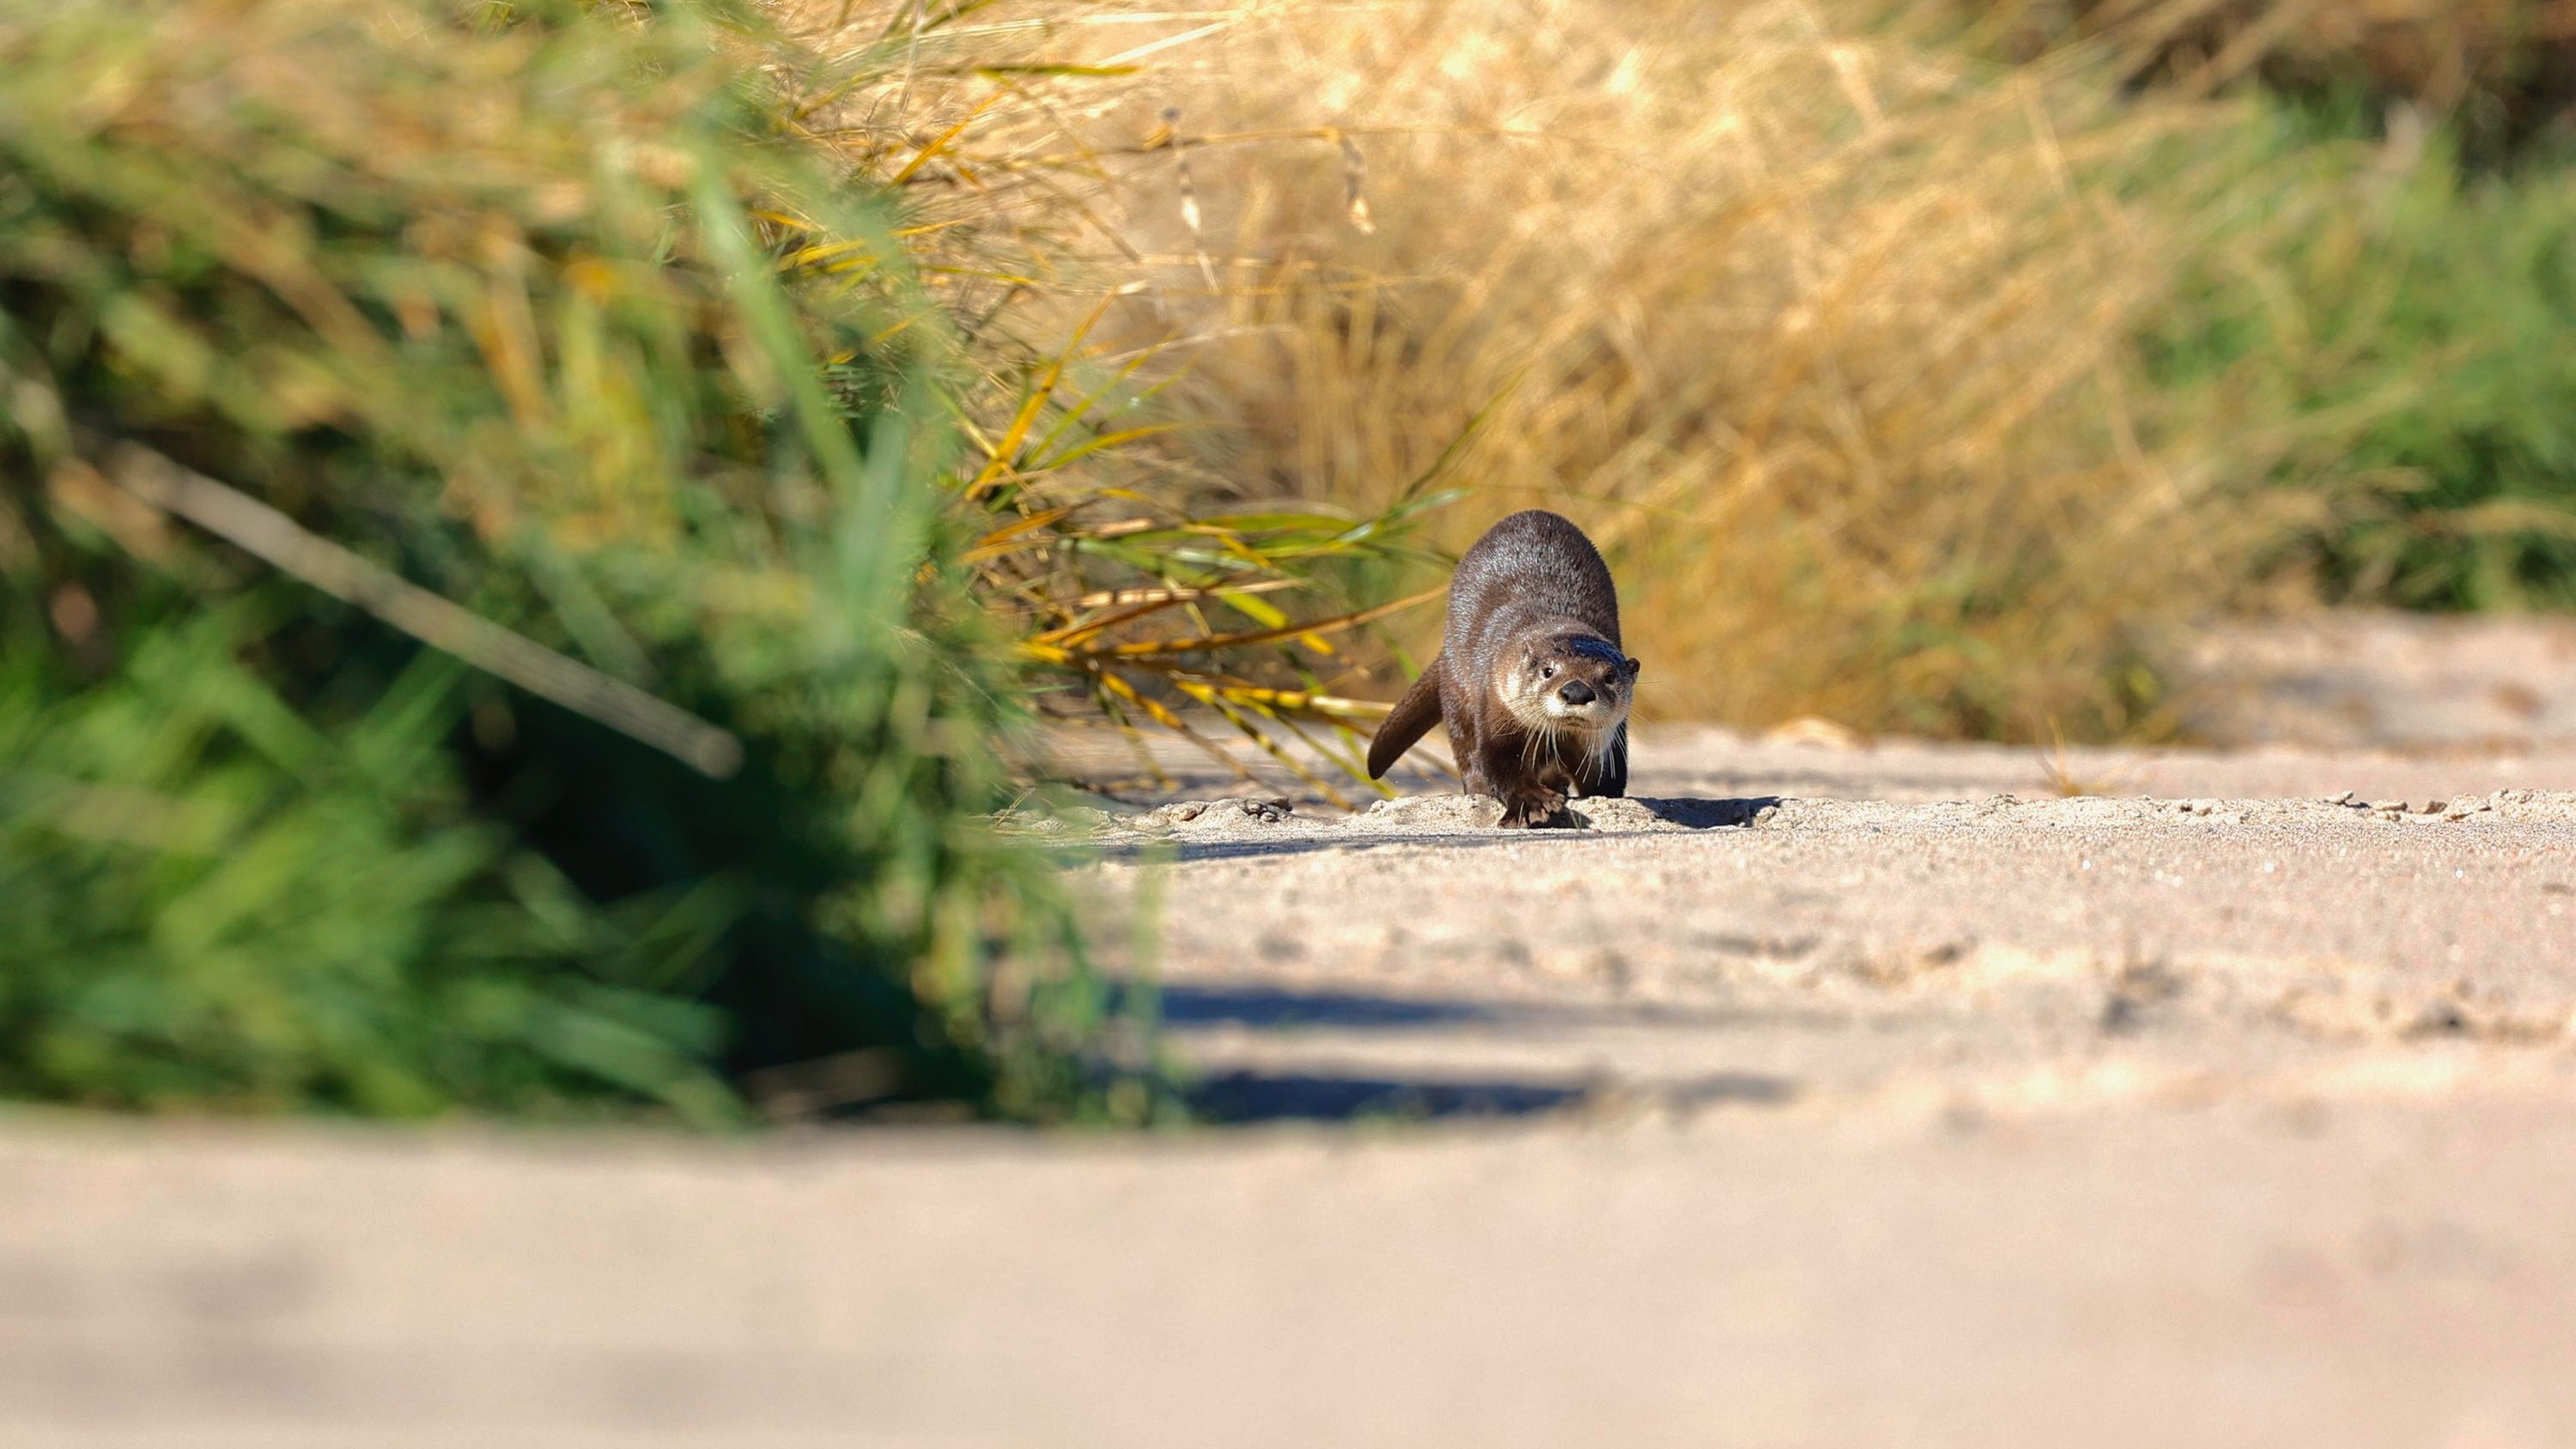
<point>1414,716</point>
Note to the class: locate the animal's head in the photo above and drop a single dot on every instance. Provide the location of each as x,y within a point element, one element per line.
<point>1570,682</point>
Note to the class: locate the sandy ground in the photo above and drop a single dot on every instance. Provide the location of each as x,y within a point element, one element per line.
<point>1819,1096</point>
<point>1992,953</point>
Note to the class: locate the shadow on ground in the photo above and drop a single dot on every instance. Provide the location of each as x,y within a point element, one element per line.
<point>1272,1008</point>
<point>1204,1006</point>
<point>1574,824</point>
<point>1242,847</point>
<point>1698,814</point>
<point>1238,1099</point>
<point>1242,1097</point>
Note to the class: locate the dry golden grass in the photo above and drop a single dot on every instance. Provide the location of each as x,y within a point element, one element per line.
<point>1821,327</point>
<point>1140,595</point>
<point>1823,331</point>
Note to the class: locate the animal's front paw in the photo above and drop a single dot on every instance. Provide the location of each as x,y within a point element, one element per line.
<point>1535,811</point>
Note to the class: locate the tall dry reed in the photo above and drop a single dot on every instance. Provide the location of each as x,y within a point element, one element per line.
<point>1823,330</point>
<point>1821,324</point>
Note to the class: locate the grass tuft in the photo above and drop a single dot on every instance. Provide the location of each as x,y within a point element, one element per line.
<point>1822,328</point>
<point>353,344</point>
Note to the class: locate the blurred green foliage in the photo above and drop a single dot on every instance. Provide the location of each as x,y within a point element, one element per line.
<point>2387,332</point>
<point>214,902</point>
<point>500,299</point>
<point>2373,316</point>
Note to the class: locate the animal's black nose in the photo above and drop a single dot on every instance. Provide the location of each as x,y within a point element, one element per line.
<point>1575,692</point>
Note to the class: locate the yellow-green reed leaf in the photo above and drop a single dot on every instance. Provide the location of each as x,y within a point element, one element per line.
<point>1302,701</point>
<point>1093,445</point>
<point>1107,598</point>
<point>1215,699</point>
<point>1342,755</point>
<point>940,142</point>
<point>1277,522</point>
<point>1014,536</point>
<point>1082,406</point>
<point>1234,544</point>
<point>1259,611</point>
<point>1155,711</point>
<point>1008,448</point>
<point>1073,634</point>
<point>1266,636</point>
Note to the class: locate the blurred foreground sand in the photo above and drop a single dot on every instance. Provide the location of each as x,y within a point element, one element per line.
<point>1888,1099</point>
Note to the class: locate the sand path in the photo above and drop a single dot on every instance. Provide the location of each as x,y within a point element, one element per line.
<point>1820,1097</point>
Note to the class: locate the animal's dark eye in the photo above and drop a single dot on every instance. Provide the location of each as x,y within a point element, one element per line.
<point>1547,671</point>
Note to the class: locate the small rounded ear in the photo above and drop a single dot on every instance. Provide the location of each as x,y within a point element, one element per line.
<point>1630,667</point>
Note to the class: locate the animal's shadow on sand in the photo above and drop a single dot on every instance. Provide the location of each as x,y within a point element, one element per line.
<point>1275,1008</point>
<point>1245,847</point>
<point>1689,814</point>
<point>1697,814</point>
<point>1202,1006</point>
<point>1242,1099</point>
<point>1246,1097</point>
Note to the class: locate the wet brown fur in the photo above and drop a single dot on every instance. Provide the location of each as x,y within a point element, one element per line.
<point>1532,614</point>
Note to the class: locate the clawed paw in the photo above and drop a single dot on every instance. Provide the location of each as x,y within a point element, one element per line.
<point>1535,812</point>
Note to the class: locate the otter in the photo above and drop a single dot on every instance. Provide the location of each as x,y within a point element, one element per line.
<point>1530,679</point>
